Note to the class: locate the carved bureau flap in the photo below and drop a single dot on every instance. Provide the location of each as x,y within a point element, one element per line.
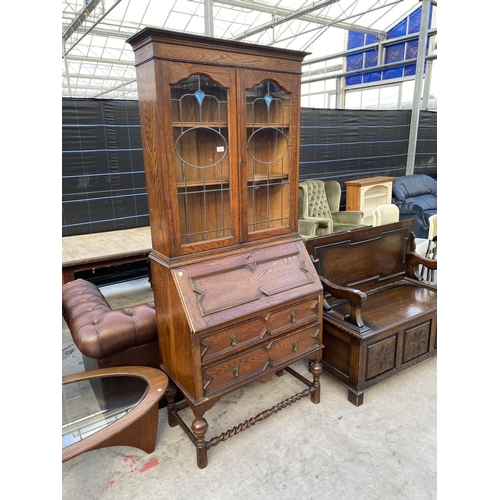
<point>229,287</point>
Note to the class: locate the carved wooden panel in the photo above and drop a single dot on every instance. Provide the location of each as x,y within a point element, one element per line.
<point>416,341</point>
<point>229,287</point>
<point>380,357</point>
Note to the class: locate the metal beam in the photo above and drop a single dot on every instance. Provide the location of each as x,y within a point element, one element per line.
<point>368,70</point>
<point>417,93</point>
<point>371,46</point>
<point>90,5</point>
<point>285,18</point>
<point>100,60</point>
<point>98,77</point>
<point>321,21</point>
<point>92,27</point>
<point>209,18</point>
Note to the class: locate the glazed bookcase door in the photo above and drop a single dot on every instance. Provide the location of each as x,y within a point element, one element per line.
<point>270,153</point>
<point>205,178</point>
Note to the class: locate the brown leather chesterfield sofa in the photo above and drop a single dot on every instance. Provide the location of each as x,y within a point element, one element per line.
<point>109,337</point>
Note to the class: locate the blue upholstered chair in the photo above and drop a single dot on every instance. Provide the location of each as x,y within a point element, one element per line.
<point>416,198</point>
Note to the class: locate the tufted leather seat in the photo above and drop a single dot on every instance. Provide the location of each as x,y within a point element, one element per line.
<point>109,337</point>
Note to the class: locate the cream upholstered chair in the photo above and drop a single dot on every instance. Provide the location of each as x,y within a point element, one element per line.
<point>433,226</point>
<point>428,246</point>
<point>385,214</point>
<point>319,214</point>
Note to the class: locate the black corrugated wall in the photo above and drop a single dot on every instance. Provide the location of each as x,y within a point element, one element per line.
<point>103,178</point>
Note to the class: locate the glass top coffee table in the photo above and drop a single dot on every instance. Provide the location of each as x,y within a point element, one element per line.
<point>111,407</point>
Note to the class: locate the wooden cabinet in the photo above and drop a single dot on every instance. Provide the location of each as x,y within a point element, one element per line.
<point>368,194</point>
<point>237,296</point>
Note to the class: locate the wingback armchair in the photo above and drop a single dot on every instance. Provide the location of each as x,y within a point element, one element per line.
<point>319,209</point>
<point>416,197</point>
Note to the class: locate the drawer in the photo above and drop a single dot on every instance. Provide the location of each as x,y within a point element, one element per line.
<point>267,325</point>
<point>268,356</point>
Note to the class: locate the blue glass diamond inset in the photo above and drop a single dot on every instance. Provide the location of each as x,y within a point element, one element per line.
<point>199,95</point>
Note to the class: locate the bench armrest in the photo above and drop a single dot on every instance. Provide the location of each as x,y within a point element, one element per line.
<point>413,260</point>
<point>356,299</point>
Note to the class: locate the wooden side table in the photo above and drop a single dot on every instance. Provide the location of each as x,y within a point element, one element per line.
<point>367,194</point>
<point>115,406</point>
<point>97,250</point>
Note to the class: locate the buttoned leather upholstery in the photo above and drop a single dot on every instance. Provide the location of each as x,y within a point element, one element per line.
<point>109,337</point>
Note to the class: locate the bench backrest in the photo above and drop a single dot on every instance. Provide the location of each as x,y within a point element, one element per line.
<point>364,258</point>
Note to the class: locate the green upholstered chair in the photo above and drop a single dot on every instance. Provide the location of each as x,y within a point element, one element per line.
<point>319,203</point>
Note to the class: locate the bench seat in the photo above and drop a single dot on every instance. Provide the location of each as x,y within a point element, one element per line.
<point>408,301</point>
<point>380,316</point>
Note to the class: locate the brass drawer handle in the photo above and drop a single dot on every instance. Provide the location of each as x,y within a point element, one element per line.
<point>293,316</point>
<point>295,345</point>
<point>236,370</point>
<point>234,337</point>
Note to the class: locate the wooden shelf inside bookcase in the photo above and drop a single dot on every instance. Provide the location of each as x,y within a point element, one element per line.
<point>216,182</point>
<point>216,125</point>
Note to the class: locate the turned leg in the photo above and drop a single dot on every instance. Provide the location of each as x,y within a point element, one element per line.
<point>170,395</point>
<point>316,369</point>
<point>199,428</point>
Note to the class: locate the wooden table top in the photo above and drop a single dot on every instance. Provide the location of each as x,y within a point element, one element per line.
<point>110,435</point>
<point>99,246</point>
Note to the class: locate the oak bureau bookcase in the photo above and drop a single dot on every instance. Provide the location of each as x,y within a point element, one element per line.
<point>236,293</point>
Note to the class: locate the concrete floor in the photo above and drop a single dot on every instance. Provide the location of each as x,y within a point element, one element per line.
<point>385,449</point>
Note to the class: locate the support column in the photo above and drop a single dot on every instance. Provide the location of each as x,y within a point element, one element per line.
<point>209,18</point>
<point>417,93</point>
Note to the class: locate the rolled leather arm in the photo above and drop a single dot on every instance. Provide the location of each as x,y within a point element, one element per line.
<point>99,331</point>
<point>356,299</point>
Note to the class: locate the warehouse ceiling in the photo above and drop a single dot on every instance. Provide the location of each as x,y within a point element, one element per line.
<point>98,63</point>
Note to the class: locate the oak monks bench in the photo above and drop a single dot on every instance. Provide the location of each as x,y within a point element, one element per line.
<point>379,316</point>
